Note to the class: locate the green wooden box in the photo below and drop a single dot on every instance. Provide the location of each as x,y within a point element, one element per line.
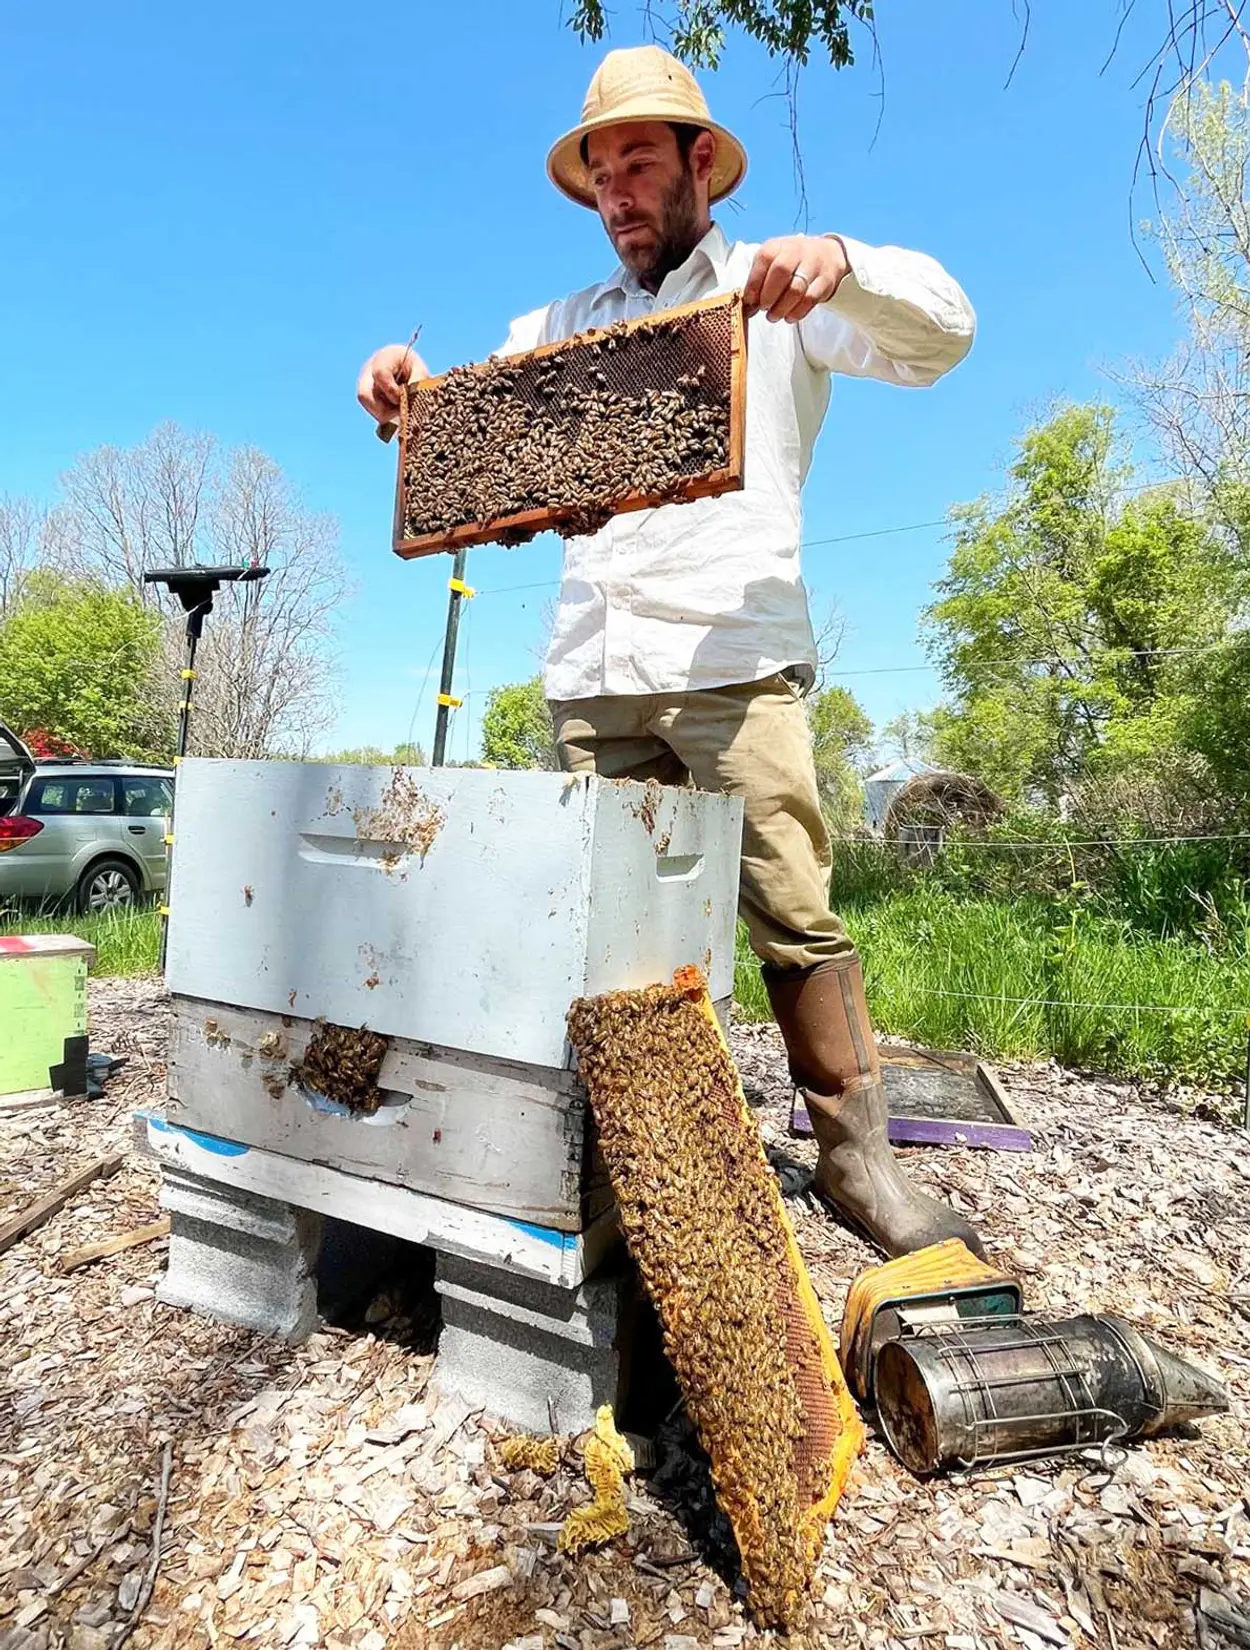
<point>43,1000</point>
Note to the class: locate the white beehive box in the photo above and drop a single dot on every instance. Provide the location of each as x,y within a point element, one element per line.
<point>458,912</point>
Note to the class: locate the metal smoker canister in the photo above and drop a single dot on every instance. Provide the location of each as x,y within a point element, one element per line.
<point>966,1393</point>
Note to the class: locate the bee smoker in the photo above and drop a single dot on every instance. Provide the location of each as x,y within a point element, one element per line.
<point>977,1391</point>
<point>962,1376</point>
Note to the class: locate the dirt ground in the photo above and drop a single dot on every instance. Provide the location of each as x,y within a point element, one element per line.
<point>317,1497</point>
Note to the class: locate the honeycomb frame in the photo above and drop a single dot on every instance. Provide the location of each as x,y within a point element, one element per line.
<point>581,355</point>
<point>705,1223</point>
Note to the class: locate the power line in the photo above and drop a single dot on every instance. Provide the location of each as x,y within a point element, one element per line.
<point>836,538</point>
<point>807,544</point>
<point>509,589</point>
<point>876,533</point>
<point>1123,653</point>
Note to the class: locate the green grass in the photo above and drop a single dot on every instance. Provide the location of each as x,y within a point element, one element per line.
<point>1010,979</point>
<point>944,971</point>
<point>126,942</point>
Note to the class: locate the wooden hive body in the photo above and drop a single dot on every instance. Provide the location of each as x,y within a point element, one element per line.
<point>458,913</point>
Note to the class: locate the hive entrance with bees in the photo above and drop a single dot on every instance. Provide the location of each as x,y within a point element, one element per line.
<point>704,1221</point>
<point>342,1064</point>
<point>563,437</point>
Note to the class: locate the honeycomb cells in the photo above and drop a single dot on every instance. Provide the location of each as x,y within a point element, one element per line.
<point>571,432</point>
<point>705,1224</point>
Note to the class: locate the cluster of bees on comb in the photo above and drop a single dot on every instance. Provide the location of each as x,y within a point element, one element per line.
<point>705,1226</point>
<point>572,432</point>
<point>343,1063</point>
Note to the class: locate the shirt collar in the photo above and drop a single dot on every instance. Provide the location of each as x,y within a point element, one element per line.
<point>713,249</point>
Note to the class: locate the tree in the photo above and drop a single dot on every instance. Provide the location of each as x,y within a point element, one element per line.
<point>29,540</point>
<point>841,747</point>
<point>405,755</point>
<point>1189,30</point>
<point>19,548</point>
<point>788,28</point>
<point>1075,620</point>
<point>265,670</point>
<point>516,727</point>
<point>1198,401</point>
<point>75,661</point>
<point>912,733</point>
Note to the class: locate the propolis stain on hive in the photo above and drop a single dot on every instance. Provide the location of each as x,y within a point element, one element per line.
<point>706,1226</point>
<point>406,821</point>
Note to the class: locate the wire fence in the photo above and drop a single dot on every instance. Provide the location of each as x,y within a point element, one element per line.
<point>746,968</point>
<point>1040,845</point>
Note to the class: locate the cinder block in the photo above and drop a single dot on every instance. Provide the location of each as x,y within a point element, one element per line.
<point>240,1257</point>
<point>510,1344</point>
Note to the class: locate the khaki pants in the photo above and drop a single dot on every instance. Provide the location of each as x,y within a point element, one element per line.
<point>750,741</point>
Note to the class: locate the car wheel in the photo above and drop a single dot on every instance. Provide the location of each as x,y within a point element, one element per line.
<point>108,885</point>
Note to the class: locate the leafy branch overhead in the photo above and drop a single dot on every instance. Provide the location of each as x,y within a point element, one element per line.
<point>786,28</point>
<point>1190,33</point>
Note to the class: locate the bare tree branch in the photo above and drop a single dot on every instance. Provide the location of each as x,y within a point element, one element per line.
<point>21,522</point>
<point>265,681</point>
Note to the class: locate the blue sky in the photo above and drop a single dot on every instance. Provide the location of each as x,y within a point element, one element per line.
<point>213,214</point>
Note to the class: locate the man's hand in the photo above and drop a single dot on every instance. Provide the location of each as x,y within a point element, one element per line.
<point>377,388</point>
<point>794,273</point>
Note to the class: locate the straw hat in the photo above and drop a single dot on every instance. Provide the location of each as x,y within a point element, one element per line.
<point>637,84</point>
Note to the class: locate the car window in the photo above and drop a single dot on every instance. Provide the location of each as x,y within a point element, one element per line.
<point>71,795</point>
<point>143,798</point>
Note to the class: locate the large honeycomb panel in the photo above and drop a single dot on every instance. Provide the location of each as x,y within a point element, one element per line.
<point>704,1221</point>
<point>637,414</point>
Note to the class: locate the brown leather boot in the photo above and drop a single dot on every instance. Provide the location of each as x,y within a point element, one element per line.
<point>823,1018</point>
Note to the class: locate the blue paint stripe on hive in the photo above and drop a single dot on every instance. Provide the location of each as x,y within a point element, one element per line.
<point>210,1142</point>
<point>545,1234</point>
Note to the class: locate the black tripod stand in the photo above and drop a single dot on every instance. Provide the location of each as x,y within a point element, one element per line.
<point>195,588</point>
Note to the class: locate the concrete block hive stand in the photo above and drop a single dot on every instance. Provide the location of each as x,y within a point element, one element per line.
<point>458,913</point>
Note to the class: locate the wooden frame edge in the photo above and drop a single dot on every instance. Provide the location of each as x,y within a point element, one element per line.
<point>729,478</point>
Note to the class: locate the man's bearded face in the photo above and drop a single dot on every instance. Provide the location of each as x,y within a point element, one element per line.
<point>647,198</point>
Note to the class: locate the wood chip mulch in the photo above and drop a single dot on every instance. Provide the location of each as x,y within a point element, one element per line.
<point>320,1497</point>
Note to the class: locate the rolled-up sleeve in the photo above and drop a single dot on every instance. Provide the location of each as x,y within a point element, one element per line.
<point>896,315</point>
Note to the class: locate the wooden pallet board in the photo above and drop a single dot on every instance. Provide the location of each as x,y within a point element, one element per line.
<point>584,349</point>
<point>525,1247</point>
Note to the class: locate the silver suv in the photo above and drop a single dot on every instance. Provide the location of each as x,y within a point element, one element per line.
<point>90,831</point>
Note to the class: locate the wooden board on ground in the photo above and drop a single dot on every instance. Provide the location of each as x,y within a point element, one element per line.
<point>494,1134</point>
<point>694,354</point>
<point>42,1209</point>
<point>941,1099</point>
<point>72,1259</point>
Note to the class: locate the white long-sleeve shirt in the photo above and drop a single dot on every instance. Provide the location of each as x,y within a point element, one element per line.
<point>702,595</point>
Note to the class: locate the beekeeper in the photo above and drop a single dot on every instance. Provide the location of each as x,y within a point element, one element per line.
<point>682,646</point>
